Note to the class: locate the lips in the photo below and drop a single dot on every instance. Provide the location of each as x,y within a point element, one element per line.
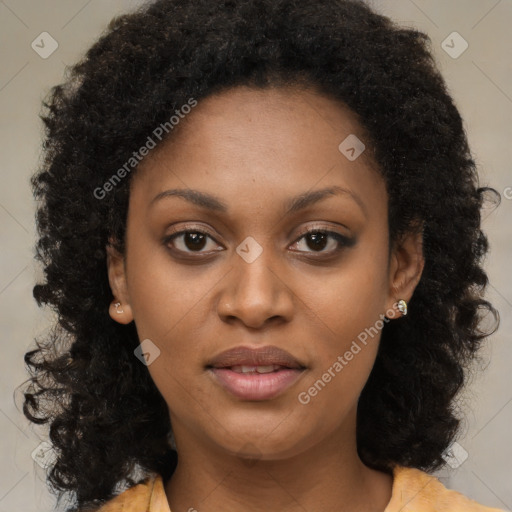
<point>262,356</point>
<point>255,374</point>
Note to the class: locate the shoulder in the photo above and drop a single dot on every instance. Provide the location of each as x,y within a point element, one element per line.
<point>413,491</point>
<point>135,499</point>
<point>417,491</point>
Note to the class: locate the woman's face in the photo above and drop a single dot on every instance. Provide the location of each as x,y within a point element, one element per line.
<point>241,270</point>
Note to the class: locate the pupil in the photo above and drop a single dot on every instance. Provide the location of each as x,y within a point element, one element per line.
<point>317,237</point>
<point>197,240</point>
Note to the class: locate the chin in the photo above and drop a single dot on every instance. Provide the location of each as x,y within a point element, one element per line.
<point>246,444</point>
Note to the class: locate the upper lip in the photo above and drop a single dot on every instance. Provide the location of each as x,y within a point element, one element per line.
<point>245,356</point>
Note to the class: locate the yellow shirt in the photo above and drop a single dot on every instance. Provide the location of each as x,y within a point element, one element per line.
<point>413,491</point>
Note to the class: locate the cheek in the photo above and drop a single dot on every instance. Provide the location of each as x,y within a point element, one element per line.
<point>164,294</point>
<point>170,308</point>
<point>348,299</point>
<point>345,329</point>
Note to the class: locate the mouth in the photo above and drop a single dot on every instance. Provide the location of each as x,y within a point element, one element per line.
<point>251,370</point>
<point>255,374</point>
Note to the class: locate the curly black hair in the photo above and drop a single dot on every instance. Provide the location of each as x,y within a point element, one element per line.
<point>105,415</point>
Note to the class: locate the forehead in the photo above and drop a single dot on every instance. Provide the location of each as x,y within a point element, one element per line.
<point>252,145</point>
<point>275,117</point>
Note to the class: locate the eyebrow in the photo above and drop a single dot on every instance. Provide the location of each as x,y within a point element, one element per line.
<point>295,204</point>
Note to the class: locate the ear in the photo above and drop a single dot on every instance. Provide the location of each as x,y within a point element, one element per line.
<point>117,279</point>
<point>406,266</point>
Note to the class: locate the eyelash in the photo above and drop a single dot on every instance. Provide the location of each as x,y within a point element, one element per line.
<point>342,240</point>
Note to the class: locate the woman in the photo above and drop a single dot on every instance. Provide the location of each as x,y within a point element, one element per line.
<point>260,228</point>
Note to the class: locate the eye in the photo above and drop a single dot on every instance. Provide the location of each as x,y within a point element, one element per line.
<point>189,241</point>
<point>319,239</point>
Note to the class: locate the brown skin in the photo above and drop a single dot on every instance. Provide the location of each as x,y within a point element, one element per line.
<point>254,150</point>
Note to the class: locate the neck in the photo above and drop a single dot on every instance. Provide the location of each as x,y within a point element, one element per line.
<point>328,476</point>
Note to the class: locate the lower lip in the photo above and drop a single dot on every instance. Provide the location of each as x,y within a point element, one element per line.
<point>256,386</point>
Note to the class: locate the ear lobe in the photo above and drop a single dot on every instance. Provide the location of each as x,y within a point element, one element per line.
<point>120,309</point>
<point>406,268</point>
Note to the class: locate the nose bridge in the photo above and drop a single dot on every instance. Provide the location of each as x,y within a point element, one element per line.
<point>253,267</point>
<point>255,290</point>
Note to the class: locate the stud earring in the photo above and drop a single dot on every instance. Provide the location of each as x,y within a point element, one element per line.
<point>116,305</point>
<point>402,306</point>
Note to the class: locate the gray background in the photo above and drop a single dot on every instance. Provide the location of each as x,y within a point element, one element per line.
<point>480,80</point>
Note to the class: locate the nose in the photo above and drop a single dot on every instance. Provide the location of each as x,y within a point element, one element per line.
<point>256,293</point>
